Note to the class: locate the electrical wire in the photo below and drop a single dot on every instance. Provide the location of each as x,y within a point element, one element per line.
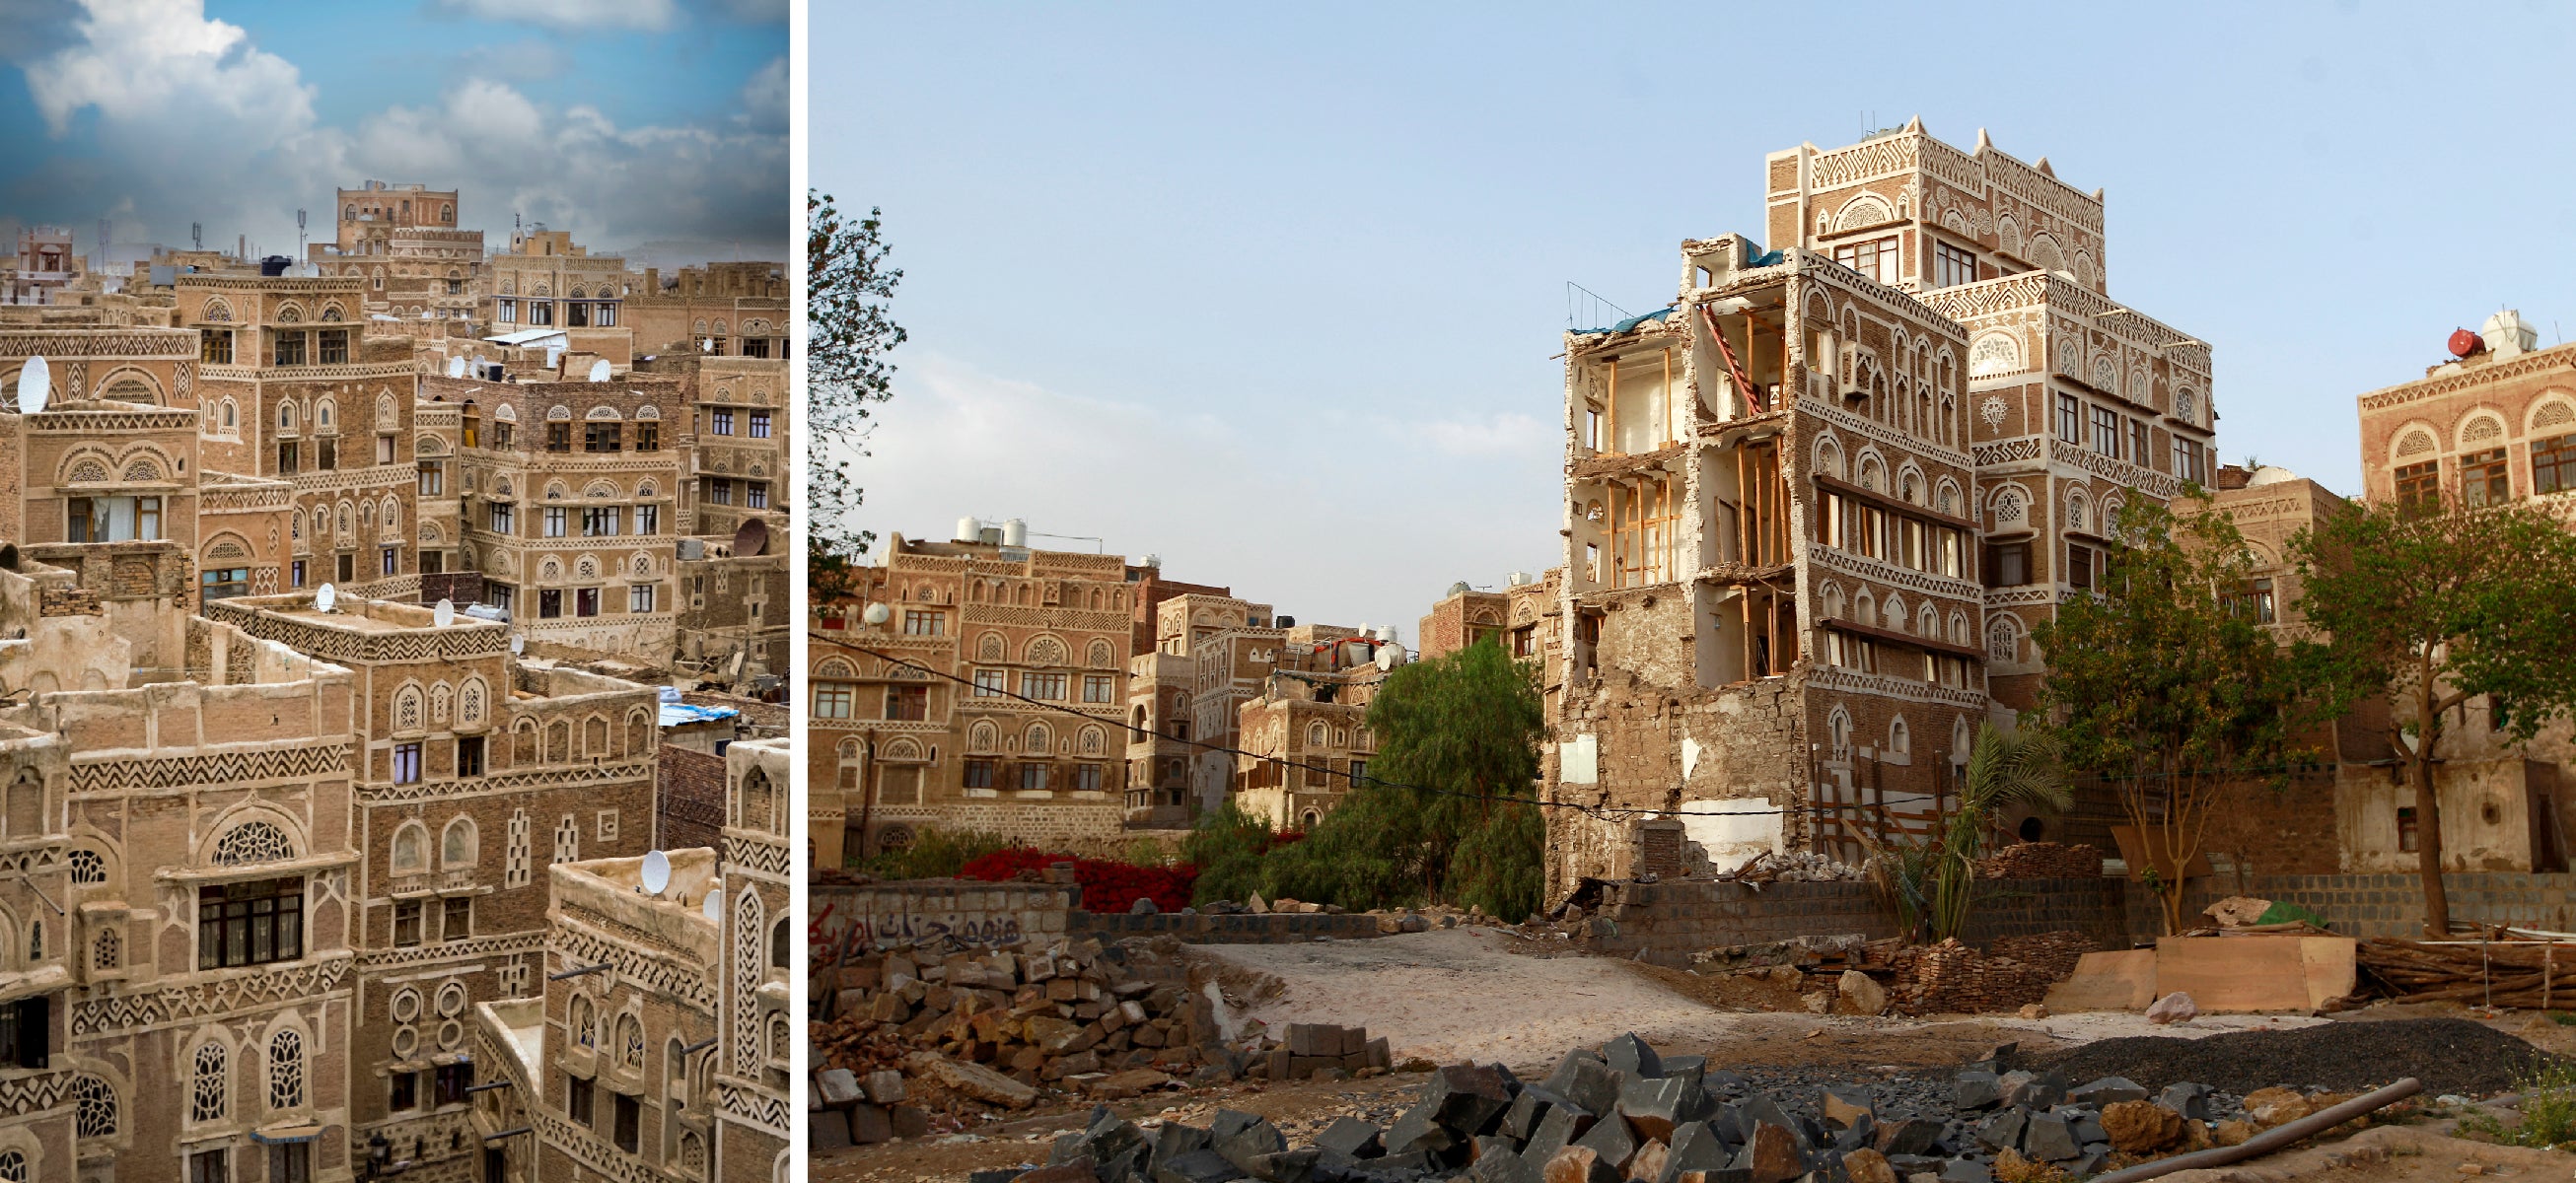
<point>1602,812</point>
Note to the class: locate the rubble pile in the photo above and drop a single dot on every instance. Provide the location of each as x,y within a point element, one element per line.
<point>2042,860</point>
<point>959,1029</point>
<point>1951,977</point>
<point>1850,975</point>
<point>1795,866</point>
<point>1624,1111</point>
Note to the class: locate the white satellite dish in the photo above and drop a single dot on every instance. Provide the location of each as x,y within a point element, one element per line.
<point>456,367</point>
<point>877,614</point>
<point>518,644</point>
<point>35,385</point>
<point>657,872</point>
<point>444,614</point>
<point>1387,656</point>
<point>599,370</point>
<point>325,597</point>
<point>713,906</point>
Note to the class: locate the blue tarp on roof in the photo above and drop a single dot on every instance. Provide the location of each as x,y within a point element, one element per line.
<point>676,713</point>
<point>1631,322</point>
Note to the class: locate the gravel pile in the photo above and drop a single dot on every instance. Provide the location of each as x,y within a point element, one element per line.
<point>2448,1055</point>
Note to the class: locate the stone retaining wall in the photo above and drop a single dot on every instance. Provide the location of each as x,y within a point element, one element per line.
<point>1274,929</point>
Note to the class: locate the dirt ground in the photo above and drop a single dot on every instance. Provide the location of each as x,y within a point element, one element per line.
<point>1473,994</point>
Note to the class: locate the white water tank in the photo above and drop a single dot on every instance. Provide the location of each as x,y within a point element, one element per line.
<point>1151,562</point>
<point>969,530</point>
<point>1015,532</point>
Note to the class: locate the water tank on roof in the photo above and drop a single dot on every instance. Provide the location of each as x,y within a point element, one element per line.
<point>1151,562</point>
<point>275,265</point>
<point>2506,334</point>
<point>1459,588</point>
<point>1521,579</point>
<point>969,530</point>
<point>1015,532</point>
<point>1386,636</point>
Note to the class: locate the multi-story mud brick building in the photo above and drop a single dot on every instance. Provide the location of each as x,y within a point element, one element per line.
<point>658,1044</point>
<point>471,771</point>
<point>423,274</point>
<point>1003,624</point>
<point>292,388</point>
<point>567,503</point>
<point>718,310</point>
<point>1813,506</point>
<point>547,282</point>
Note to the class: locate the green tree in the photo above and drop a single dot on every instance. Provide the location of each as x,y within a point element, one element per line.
<point>1448,811</point>
<point>2020,768</point>
<point>2163,684</point>
<point>2433,604</point>
<point>849,333</point>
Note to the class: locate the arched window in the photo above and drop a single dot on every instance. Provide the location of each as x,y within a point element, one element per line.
<point>580,1019</point>
<point>286,1070</point>
<point>210,1091</point>
<point>13,1166</point>
<point>630,1042</point>
<point>1900,740</point>
<point>26,807</point>
<point>457,847</point>
<point>411,847</point>
<point>253,841</point>
<point>778,944</point>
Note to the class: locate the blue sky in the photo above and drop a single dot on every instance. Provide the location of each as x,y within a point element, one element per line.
<point>626,121</point>
<point>1273,291</point>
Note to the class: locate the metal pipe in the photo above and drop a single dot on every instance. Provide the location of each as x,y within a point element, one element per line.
<point>574,973</point>
<point>2276,1138</point>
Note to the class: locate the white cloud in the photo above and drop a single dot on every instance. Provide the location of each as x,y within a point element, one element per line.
<point>1503,434</point>
<point>1295,514</point>
<point>194,123</point>
<point>648,15</point>
<point>153,57</point>
<point>764,97</point>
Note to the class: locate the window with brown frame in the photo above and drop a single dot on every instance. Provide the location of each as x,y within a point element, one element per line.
<point>907,703</point>
<point>1875,259</point>
<point>1952,265</point>
<point>2553,465</point>
<point>2420,485</point>
<point>2483,480</point>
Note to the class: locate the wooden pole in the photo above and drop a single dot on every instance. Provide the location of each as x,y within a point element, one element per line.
<point>1612,444</point>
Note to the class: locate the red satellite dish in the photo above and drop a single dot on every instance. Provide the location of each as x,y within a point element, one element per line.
<point>751,539</point>
<point>2465,343</point>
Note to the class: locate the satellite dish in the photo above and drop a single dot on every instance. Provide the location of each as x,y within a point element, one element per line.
<point>713,906</point>
<point>518,644</point>
<point>877,614</point>
<point>657,872</point>
<point>1387,656</point>
<point>599,370</point>
<point>444,614</point>
<point>325,597</point>
<point>751,539</point>
<point>456,367</point>
<point>35,385</point>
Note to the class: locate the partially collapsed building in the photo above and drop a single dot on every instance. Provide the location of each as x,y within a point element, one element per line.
<point>1815,505</point>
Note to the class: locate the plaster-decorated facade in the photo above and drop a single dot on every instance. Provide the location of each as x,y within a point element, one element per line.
<point>1813,507</point>
<point>566,504</point>
<point>657,1045</point>
<point>957,748</point>
<point>293,389</point>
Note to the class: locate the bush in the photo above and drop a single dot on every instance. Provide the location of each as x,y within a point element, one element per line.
<point>1229,848</point>
<point>936,854</point>
<point>1106,886</point>
<point>2548,1110</point>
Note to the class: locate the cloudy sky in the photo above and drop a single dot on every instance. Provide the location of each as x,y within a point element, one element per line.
<point>1273,290</point>
<point>628,122</point>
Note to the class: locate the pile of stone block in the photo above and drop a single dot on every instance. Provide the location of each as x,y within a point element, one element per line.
<point>1952,977</point>
<point>1321,1049</point>
<point>2042,860</point>
<point>974,1029</point>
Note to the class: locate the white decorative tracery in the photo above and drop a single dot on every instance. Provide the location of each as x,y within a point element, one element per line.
<point>253,841</point>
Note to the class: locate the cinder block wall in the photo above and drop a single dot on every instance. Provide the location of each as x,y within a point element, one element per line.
<point>848,919</point>
<point>2390,905</point>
